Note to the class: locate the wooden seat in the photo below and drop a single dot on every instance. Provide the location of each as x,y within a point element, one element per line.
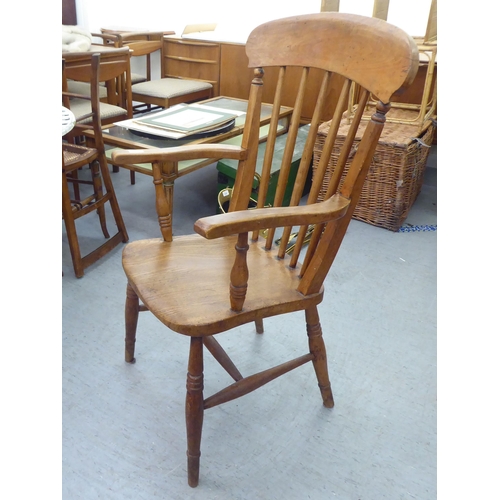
<point>75,157</point>
<point>226,274</point>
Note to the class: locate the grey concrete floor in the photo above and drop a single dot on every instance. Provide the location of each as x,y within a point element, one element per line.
<point>123,425</point>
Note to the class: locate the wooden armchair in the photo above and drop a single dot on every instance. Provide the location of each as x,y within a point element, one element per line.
<point>227,275</point>
<point>75,157</point>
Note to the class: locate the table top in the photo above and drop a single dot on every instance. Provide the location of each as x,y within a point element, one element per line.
<point>118,137</point>
<point>122,137</point>
<point>68,120</point>
<point>94,48</point>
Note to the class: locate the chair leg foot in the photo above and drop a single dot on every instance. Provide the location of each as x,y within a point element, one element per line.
<point>317,348</point>
<point>194,409</point>
<point>131,318</point>
<point>259,325</point>
<point>193,471</point>
<point>69,223</point>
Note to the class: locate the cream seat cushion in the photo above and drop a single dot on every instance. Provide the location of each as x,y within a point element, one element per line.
<point>83,88</point>
<point>137,78</point>
<point>167,88</point>
<point>80,107</point>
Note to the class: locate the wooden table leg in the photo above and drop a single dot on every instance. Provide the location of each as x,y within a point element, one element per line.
<point>164,174</point>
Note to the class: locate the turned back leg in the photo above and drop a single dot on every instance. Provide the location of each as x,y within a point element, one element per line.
<point>317,348</point>
<point>131,317</point>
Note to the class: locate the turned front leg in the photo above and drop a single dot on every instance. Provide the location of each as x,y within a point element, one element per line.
<point>194,409</point>
<point>317,349</point>
<point>131,317</point>
<point>239,274</point>
<point>164,174</point>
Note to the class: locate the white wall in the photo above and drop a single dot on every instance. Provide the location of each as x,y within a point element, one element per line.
<point>410,15</point>
<point>231,15</point>
<point>174,15</point>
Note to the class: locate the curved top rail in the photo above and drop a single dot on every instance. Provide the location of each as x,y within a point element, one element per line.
<point>379,56</point>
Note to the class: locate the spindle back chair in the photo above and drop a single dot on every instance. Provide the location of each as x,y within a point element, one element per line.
<point>227,275</point>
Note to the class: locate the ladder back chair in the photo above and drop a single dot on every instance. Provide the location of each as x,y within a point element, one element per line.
<point>75,157</point>
<point>227,274</point>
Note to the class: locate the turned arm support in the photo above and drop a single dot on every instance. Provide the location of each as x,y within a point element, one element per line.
<point>217,226</point>
<point>179,153</point>
<point>244,221</point>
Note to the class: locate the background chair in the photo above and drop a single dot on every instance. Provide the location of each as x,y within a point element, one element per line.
<point>83,88</point>
<point>160,92</point>
<point>114,75</point>
<point>119,38</point>
<point>207,283</point>
<point>144,45</point>
<point>114,39</point>
<point>75,157</point>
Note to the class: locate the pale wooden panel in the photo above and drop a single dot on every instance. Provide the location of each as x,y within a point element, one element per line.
<point>380,9</point>
<point>383,45</point>
<point>431,32</point>
<point>330,5</point>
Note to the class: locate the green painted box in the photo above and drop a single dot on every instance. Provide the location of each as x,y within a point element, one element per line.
<point>227,168</point>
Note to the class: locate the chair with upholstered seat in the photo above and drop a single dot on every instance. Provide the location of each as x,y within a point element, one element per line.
<point>114,93</point>
<point>227,274</point>
<point>152,44</point>
<point>74,157</point>
<point>166,91</point>
<point>83,88</point>
<point>144,45</point>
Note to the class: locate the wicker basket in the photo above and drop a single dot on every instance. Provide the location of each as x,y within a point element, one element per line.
<point>395,176</point>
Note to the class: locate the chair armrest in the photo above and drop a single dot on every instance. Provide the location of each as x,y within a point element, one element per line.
<point>179,153</point>
<point>217,226</point>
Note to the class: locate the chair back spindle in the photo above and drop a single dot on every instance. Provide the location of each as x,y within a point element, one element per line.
<point>377,78</point>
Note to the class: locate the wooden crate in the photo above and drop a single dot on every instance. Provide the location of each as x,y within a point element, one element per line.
<point>396,172</point>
